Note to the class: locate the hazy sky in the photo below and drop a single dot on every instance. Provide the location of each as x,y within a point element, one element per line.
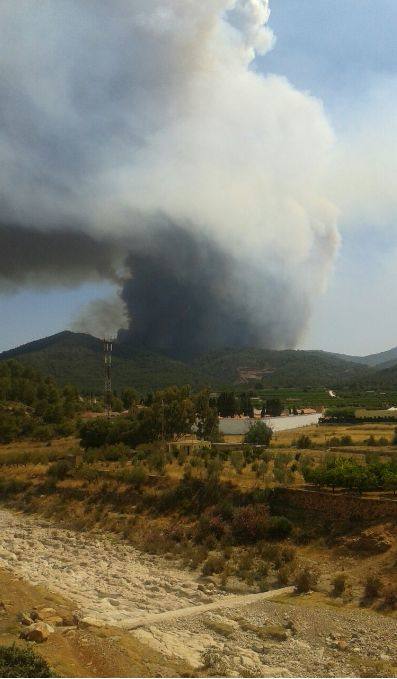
<point>343,52</point>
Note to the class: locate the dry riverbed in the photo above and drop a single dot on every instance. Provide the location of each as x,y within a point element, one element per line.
<point>112,584</point>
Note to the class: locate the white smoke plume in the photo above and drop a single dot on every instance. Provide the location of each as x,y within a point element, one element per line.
<point>102,317</point>
<point>121,117</point>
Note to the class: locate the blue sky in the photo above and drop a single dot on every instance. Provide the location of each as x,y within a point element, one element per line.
<point>341,51</point>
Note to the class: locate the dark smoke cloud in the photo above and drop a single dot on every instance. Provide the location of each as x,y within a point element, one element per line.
<point>30,256</point>
<point>185,296</point>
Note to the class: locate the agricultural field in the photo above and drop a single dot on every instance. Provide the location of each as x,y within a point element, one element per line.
<point>363,399</point>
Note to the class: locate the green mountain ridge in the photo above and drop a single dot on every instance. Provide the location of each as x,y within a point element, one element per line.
<point>77,358</point>
<point>383,359</point>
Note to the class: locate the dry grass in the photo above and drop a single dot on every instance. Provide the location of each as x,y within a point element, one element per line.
<point>62,445</point>
<point>320,434</point>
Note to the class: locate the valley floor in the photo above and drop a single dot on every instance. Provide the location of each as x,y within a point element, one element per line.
<point>111,584</point>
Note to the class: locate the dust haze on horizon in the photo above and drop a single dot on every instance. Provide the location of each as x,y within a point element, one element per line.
<point>153,154</point>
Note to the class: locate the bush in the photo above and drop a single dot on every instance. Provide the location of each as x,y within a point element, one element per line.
<point>259,434</point>
<point>372,586</point>
<point>214,564</point>
<point>302,536</point>
<point>157,461</point>
<point>339,584</point>
<point>346,440</point>
<point>22,662</point>
<point>284,574</point>
<point>136,476</point>
<point>214,526</point>
<point>279,527</point>
<point>237,460</point>
<point>42,432</point>
<point>306,579</point>
<point>390,598</point>
<point>12,487</point>
<point>250,523</point>
<point>217,527</point>
<point>59,471</point>
<point>95,433</point>
<point>303,442</point>
<point>87,473</point>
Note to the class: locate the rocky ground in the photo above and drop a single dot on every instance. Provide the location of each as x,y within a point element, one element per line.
<point>108,580</point>
<point>110,583</point>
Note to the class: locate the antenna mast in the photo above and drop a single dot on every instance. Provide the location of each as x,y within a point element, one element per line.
<point>108,348</point>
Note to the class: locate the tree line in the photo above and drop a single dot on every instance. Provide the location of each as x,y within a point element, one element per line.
<point>34,406</point>
<point>339,472</point>
<point>229,404</point>
<point>167,414</point>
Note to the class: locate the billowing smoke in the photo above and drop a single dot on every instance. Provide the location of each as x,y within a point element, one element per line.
<point>188,296</point>
<point>66,257</point>
<point>102,317</point>
<point>144,127</point>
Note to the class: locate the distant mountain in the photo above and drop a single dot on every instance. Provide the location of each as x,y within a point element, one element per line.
<point>78,359</point>
<point>385,376</point>
<point>382,360</point>
<point>288,368</point>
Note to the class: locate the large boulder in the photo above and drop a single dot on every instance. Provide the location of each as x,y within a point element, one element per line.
<point>38,632</point>
<point>42,613</point>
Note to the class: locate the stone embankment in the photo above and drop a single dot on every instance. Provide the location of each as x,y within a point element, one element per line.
<point>339,506</point>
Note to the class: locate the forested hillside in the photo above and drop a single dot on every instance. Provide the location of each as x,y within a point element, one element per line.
<point>78,359</point>
<point>279,368</point>
<point>32,405</point>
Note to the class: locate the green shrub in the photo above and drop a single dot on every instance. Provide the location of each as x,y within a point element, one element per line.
<point>390,598</point>
<point>279,527</point>
<point>288,553</point>
<point>211,525</point>
<point>339,584</point>
<point>135,476</point>
<point>259,434</point>
<point>95,433</point>
<point>284,574</point>
<point>250,523</point>
<point>237,460</point>
<point>303,442</point>
<point>346,440</point>
<point>12,487</point>
<point>10,427</point>
<point>22,662</point>
<point>214,564</point>
<point>373,586</point>
<point>214,469</point>
<point>305,580</point>
<point>87,473</point>
<point>157,461</point>
<point>60,470</point>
